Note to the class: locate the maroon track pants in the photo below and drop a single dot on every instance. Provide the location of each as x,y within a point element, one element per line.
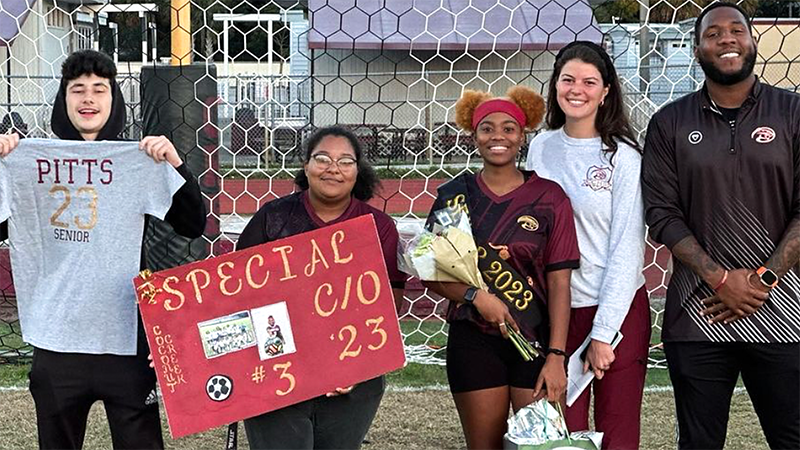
<point>618,396</point>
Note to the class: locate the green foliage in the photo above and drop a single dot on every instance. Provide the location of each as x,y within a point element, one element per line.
<point>247,40</point>
<point>778,8</point>
<point>623,11</point>
<point>667,11</point>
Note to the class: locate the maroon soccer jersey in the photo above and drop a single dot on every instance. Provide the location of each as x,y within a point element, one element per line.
<point>293,214</point>
<point>532,228</point>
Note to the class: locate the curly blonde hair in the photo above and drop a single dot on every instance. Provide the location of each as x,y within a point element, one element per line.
<point>531,103</point>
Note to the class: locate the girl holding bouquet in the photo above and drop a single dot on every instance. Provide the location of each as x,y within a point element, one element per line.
<point>591,151</point>
<point>334,185</point>
<point>524,225</point>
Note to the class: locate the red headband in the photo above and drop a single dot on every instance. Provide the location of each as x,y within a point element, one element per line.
<point>498,105</point>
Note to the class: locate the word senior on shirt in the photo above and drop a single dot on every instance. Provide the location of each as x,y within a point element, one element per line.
<point>73,181</point>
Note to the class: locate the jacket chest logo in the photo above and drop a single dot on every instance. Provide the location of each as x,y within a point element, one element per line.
<point>598,178</point>
<point>695,137</point>
<point>763,135</point>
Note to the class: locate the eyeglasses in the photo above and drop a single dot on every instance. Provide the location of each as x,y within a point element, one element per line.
<point>345,163</point>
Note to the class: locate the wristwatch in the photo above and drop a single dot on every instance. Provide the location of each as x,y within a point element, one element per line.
<point>470,294</point>
<point>768,277</point>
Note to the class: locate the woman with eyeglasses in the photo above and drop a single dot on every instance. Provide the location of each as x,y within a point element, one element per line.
<point>335,183</point>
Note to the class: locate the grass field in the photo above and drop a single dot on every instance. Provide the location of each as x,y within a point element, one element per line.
<point>417,411</point>
<point>415,414</point>
<point>11,340</point>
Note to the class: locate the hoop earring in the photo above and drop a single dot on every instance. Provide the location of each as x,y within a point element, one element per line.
<point>602,102</point>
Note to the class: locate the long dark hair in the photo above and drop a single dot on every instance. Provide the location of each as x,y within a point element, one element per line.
<point>611,121</point>
<point>367,181</point>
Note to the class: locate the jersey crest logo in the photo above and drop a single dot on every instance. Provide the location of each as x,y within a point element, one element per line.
<point>763,135</point>
<point>695,137</point>
<point>528,223</point>
<point>598,178</point>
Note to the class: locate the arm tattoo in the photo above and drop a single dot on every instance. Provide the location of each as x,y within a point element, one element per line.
<point>787,254</point>
<point>689,252</point>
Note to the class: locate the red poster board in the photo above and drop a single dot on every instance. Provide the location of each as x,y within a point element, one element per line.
<point>259,329</point>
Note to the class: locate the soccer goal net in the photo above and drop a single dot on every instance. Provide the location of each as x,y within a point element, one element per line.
<point>258,76</point>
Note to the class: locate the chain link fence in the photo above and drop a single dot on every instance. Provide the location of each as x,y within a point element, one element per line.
<point>389,70</point>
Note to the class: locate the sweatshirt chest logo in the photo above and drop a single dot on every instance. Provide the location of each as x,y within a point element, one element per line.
<point>695,137</point>
<point>763,135</point>
<point>598,178</point>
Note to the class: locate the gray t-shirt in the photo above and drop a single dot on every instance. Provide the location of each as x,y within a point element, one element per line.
<point>75,212</point>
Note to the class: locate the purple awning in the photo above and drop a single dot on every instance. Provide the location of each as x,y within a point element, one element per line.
<point>450,24</point>
<point>12,16</point>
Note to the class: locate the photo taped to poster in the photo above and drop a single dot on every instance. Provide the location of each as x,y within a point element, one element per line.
<point>273,331</point>
<point>227,334</point>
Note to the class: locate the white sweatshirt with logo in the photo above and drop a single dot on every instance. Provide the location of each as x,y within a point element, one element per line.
<point>606,197</point>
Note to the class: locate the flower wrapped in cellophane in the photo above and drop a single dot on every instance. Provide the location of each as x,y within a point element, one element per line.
<point>446,253</point>
<point>541,426</point>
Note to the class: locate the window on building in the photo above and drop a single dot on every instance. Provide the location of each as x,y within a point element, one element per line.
<point>56,17</point>
<point>82,38</point>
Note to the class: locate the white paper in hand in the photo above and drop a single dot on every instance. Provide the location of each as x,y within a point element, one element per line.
<point>577,380</point>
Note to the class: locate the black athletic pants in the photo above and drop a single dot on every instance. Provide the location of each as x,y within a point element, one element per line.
<point>704,375</point>
<point>339,422</point>
<point>65,385</point>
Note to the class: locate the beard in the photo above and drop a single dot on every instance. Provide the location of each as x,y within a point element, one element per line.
<point>726,79</point>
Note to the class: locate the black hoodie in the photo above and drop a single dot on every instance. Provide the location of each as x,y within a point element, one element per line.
<point>64,129</point>
<point>187,215</point>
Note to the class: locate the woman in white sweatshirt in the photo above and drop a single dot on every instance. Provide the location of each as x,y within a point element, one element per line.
<point>590,150</point>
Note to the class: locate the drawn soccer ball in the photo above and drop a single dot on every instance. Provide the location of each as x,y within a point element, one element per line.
<point>219,388</point>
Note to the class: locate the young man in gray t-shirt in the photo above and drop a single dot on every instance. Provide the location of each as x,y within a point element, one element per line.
<point>71,265</point>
